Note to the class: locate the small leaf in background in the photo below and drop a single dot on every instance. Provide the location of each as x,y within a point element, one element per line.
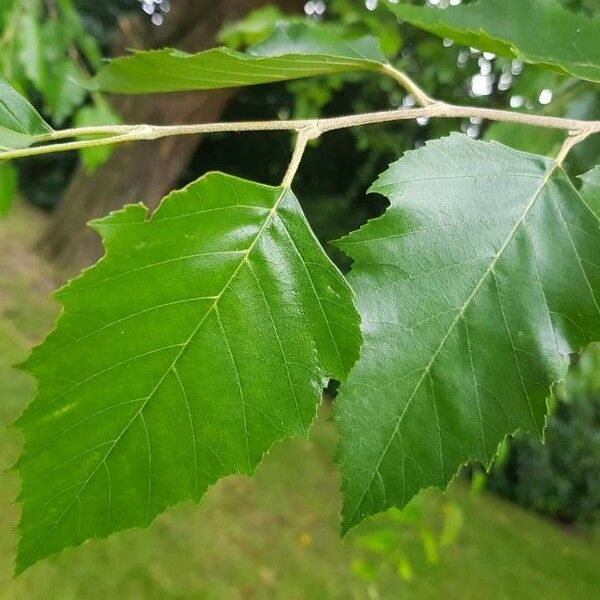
<point>99,113</point>
<point>474,288</point>
<point>405,570</point>
<point>62,92</point>
<point>148,390</point>
<point>365,570</point>
<point>30,46</point>
<point>427,523</point>
<point>20,123</point>
<point>75,27</point>
<point>51,53</point>
<point>6,10</point>
<point>535,31</point>
<point>61,89</point>
<point>583,379</point>
<point>526,137</point>
<point>478,481</point>
<point>253,28</point>
<point>294,50</point>
<point>380,541</point>
<point>8,186</point>
<point>454,520</point>
<point>430,546</point>
<point>352,18</point>
<point>590,190</point>
<point>411,514</point>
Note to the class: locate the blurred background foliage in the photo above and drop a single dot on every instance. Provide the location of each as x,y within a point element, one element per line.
<point>561,478</point>
<point>48,47</point>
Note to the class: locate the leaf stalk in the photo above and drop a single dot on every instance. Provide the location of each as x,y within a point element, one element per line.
<point>303,137</point>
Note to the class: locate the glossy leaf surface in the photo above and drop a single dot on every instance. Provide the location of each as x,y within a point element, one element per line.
<point>293,51</point>
<point>20,123</point>
<point>205,335</point>
<point>473,288</point>
<point>536,31</point>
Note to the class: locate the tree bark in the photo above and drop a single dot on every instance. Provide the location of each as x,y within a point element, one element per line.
<point>145,171</point>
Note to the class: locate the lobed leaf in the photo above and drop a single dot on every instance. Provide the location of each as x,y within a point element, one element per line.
<point>295,50</point>
<point>535,31</point>
<point>20,123</point>
<point>473,289</point>
<point>204,335</point>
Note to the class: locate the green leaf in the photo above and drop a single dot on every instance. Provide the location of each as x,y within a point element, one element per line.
<point>8,186</point>
<point>74,26</point>
<point>7,8</point>
<point>205,335</point>
<point>526,137</point>
<point>30,44</point>
<point>293,51</point>
<point>590,190</point>
<point>253,28</point>
<point>88,116</point>
<point>20,123</point>
<point>61,89</point>
<point>473,288</point>
<point>63,94</point>
<point>535,31</point>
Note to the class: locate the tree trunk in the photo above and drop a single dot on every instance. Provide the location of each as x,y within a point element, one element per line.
<point>145,171</point>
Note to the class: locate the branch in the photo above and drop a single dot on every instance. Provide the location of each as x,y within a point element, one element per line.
<point>128,133</point>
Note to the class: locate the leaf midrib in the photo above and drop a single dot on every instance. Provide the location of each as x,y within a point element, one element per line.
<point>460,315</point>
<point>173,365</point>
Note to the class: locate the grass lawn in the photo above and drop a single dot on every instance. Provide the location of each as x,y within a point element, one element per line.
<point>272,537</point>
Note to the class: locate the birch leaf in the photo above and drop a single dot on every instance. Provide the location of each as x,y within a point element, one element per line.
<point>204,335</point>
<point>535,31</point>
<point>295,50</point>
<point>473,288</point>
<point>20,123</point>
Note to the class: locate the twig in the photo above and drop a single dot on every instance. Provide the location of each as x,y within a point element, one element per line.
<point>108,135</point>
